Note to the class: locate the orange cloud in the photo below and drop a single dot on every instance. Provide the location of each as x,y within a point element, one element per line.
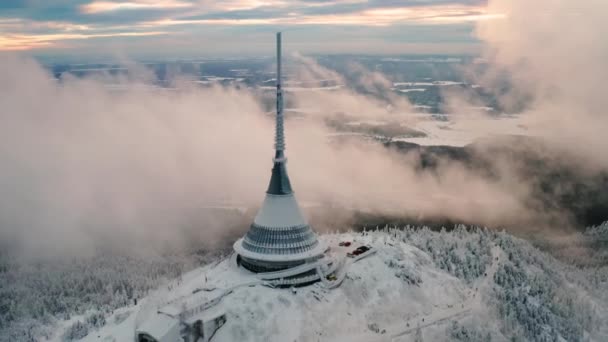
<point>388,16</point>
<point>18,42</point>
<point>176,22</point>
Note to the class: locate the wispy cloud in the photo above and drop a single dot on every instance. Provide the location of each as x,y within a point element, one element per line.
<point>22,25</point>
<point>27,42</point>
<point>388,16</point>
<point>371,17</point>
<point>109,6</point>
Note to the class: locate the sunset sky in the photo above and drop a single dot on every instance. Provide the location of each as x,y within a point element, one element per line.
<point>240,27</point>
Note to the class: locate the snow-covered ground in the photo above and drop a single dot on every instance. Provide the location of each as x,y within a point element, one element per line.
<point>295,89</point>
<point>409,90</point>
<point>446,129</point>
<point>418,284</point>
<point>461,131</point>
<point>427,84</point>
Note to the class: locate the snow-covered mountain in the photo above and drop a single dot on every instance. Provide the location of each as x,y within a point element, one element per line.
<point>462,285</point>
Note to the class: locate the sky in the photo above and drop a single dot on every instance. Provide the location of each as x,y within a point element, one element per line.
<point>240,27</point>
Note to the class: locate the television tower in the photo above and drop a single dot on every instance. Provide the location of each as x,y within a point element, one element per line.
<point>279,237</point>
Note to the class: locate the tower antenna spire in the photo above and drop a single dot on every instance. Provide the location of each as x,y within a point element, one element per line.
<point>279,141</point>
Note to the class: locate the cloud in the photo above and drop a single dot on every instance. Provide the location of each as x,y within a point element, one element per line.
<point>110,6</point>
<point>366,16</point>
<point>561,72</point>
<point>27,42</point>
<point>88,165</point>
<point>183,17</point>
<point>364,94</point>
<point>95,191</point>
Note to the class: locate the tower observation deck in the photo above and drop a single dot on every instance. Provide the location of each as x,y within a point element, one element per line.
<point>279,237</point>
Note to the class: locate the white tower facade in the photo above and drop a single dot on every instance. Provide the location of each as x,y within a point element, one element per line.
<point>279,237</point>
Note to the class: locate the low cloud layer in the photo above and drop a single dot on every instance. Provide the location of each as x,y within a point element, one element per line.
<point>85,163</point>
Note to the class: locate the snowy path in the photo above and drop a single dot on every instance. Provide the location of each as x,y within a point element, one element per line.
<point>206,305</point>
<point>486,282</point>
<point>438,320</point>
<point>467,307</point>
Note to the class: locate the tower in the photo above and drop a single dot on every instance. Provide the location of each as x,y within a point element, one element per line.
<point>279,237</point>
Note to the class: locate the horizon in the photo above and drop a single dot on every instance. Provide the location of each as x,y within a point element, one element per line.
<point>50,60</point>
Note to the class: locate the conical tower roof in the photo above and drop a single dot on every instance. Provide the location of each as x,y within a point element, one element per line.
<point>279,237</point>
